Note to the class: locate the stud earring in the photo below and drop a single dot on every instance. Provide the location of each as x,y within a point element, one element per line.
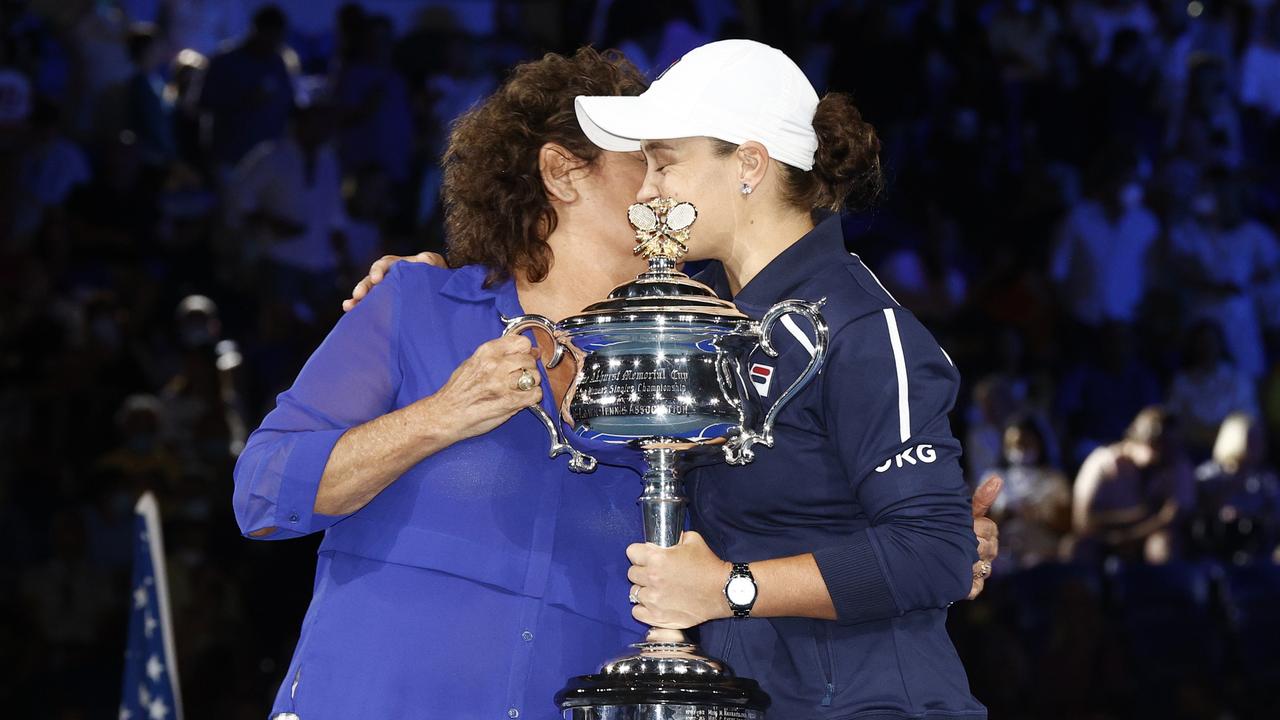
<point>746,189</point>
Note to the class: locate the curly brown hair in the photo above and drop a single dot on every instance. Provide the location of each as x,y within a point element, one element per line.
<point>496,212</point>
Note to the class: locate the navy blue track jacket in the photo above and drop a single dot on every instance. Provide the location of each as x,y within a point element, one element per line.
<point>865,475</point>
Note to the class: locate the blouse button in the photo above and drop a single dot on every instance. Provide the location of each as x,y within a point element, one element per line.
<point>293,518</point>
<point>527,636</point>
<point>513,713</point>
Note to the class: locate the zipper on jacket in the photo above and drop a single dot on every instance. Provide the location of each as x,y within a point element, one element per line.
<point>822,641</point>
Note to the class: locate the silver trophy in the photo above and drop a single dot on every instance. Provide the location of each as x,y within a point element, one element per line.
<point>661,383</point>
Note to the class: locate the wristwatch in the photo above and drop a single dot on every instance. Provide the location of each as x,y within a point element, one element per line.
<point>740,590</point>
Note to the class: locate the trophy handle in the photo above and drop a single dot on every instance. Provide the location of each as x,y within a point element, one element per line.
<point>578,461</point>
<point>738,451</point>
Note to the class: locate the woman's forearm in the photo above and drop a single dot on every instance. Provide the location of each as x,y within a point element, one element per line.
<point>791,587</point>
<point>369,457</point>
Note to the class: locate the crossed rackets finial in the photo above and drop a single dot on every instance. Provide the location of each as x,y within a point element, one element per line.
<point>662,227</point>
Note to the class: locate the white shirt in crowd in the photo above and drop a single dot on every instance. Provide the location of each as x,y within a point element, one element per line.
<point>1207,400</point>
<point>1260,78</point>
<point>1238,256</point>
<point>273,178</point>
<point>1102,263</point>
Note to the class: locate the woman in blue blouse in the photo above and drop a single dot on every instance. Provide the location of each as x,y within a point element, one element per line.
<point>462,573</point>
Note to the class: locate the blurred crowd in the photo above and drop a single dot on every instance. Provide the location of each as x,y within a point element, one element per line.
<point>1083,206</point>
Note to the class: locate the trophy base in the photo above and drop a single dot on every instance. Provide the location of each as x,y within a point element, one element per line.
<point>659,697</point>
<point>661,712</point>
<point>663,681</point>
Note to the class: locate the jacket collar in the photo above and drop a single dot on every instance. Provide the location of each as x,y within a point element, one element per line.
<point>814,251</point>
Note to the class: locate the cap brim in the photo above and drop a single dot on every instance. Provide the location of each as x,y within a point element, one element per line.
<point>603,121</point>
<point>619,123</point>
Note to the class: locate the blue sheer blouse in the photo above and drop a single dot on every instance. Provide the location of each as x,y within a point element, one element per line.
<point>478,581</point>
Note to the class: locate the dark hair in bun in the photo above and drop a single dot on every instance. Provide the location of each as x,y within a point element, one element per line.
<point>846,167</point>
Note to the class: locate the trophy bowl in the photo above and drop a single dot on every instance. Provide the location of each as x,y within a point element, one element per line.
<point>660,383</point>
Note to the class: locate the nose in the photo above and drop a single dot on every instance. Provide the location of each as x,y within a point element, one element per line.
<point>649,188</point>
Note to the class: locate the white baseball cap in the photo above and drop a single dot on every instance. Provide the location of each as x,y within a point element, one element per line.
<point>732,90</point>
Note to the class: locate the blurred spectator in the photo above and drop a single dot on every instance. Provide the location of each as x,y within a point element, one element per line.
<point>1225,257</point>
<point>202,401</point>
<point>1034,508</point>
<point>1102,250</point>
<point>1100,395</point>
<point>141,459</point>
<point>1021,36</point>
<point>248,91</point>
<point>1260,68</point>
<point>149,113</point>
<point>1131,499</point>
<point>287,196</point>
<point>993,404</point>
<point>1239,495</point>
<point>63,597</point>
<point>115,214</point>
<point>1099,21</point>
<point>373,105</point>
<point>98,33</point>
<point>1208,129</point>
<point>1209,387</point>
<point>370,205</point>
<point>204,421</point>
<point>203,25</point>
<point>52,166</point>
<point>187,73</point>
<point>349,24</point>
<point>653,34</point>
<point>924,275</point>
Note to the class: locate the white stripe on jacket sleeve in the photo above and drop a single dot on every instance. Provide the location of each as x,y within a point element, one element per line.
<point>900,363</point>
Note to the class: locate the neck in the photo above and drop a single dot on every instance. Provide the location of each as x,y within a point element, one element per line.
<point>760,239</point>
<point>576,278</point>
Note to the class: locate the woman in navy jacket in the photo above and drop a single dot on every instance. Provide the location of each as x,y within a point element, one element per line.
<point>850,537</point>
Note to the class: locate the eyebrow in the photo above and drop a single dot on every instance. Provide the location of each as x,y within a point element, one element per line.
<point>656,145</point>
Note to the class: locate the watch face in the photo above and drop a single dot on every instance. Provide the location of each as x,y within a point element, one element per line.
<point>741,591</point>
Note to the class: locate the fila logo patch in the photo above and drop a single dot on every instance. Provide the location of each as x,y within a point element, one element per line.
<point>924,454</point>
<point>762,378</point>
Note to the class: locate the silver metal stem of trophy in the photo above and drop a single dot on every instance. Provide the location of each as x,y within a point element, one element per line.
<point>661,265</point>
<point>663,503</point>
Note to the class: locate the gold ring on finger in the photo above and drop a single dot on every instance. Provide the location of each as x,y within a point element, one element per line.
<point>526,380</point>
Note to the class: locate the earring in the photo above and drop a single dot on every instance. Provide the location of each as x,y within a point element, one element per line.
<point>746,189</point>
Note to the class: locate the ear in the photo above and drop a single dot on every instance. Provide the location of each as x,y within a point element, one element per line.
<point>753,163</point>
<point>556,165</point>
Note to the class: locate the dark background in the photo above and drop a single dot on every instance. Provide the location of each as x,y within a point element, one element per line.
<point>1082,206</point>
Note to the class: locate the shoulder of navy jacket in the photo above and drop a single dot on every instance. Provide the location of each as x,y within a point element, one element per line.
<point>797,266</point>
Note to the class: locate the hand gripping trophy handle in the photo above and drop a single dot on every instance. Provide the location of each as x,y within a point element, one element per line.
<point>738,450</point>
<point>578,461</point>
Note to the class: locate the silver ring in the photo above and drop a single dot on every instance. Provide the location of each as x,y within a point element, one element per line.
<point>525,382</point>
<point>634,596</point>
<point>984,571</point>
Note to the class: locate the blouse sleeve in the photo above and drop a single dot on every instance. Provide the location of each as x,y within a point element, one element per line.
<point>352,378</point>
<point>888,417</point>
